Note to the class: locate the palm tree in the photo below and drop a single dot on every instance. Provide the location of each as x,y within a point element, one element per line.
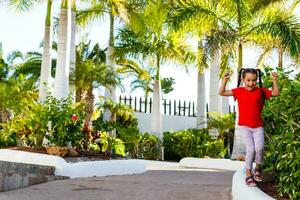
<point>144,76</point>
<point>148,36</point>
<point>61,83</point>
<point>12,85</point>
<point>270,40</point>
<point>208,22</point>
<point>244,18</point>
<point>28,64</point>
<point>24,5</point>
<point>90,73</point>
<point>255,18</point>
<point>46,61</point>
<point>98,9</point>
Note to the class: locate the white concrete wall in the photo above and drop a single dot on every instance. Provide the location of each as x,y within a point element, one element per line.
<point>169,122</point>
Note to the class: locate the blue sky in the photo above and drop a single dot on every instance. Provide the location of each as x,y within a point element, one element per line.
<point>24,32</point>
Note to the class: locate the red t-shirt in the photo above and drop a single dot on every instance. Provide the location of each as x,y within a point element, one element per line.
<point>250,105</point>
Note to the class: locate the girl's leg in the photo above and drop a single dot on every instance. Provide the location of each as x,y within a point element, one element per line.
<point>250,148</point>
<point>258,136</point>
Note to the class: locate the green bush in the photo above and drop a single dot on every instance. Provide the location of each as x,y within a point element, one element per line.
<point>59,121</point>
<point>66,122</point>
<point>149,147</point>
<point>282,152</point>
<point>192,143</point>
<point>131,138</point>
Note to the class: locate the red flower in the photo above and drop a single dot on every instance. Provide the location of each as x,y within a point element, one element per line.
<point>74,117</point>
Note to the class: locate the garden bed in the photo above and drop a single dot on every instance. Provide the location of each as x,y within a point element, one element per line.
<point>81,157</point>
<point>271,189</point>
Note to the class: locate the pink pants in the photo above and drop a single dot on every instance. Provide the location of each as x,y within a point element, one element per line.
<point>254,141</point>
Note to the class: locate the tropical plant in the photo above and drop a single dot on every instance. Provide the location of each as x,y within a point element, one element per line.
<point>147,36</point>
<point>123,114</point>
<point>97,9</point>
<point>110,145</point>
<point>46,58</point>
<point>222,122</point>
<point>282,131</point>
<point>91,73</point>
<point>59,121</point>
<point>28,64</point>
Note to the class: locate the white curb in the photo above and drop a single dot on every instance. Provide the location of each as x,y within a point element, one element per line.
<point>75,170</point>
<point>222,164</point>
<point>240,191</point>
<point>32,158</point>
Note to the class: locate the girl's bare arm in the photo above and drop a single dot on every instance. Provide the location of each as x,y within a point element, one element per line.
<point>222,89</point>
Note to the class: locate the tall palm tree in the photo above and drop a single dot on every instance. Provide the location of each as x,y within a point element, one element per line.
<point>61,83</point>
<point>244,18</point>
<point>204,20</point>
<point>46,61</point>
<point>98,9</point>
<point>24,5</point>
<point>148,36</point>
<point>255,18</point>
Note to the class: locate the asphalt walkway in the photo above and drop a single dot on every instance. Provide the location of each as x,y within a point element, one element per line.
<point>171,183</point>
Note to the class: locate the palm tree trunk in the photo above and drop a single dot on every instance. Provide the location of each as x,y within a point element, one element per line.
<point>61,84</point>
<point>89,100</point>
<point>280,57</point>
<point>201,94</point>
<point>225,105</point>
<point>156,116</point>
<point>201,101</point>
<point>73,50</point>
<point>45,79</point>
<point>238,142</point>
<point>214,98</point>
<point>110,92</point>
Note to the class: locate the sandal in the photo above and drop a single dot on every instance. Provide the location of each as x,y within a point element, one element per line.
<point>250,182</point>
<point>257,174</point>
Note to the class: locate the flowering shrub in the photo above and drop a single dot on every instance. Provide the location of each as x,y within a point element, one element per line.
<point>59,121</point>
<point>66,120</point>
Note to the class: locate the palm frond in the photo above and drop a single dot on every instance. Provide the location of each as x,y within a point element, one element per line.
<point>13,56</point>
<point>21,5</point>
<point>281,25</point>
<point>197,16</point>
<point>263,4</point>
<point>91,14</point>
<point>262,57</point>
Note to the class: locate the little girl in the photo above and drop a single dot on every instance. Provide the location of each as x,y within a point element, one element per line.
<point>250,103</point>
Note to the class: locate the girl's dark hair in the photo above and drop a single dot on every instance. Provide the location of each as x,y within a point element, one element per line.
<point>242,74</point>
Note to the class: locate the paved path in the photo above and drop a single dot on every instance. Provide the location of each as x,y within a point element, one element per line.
<point>164,184</point>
